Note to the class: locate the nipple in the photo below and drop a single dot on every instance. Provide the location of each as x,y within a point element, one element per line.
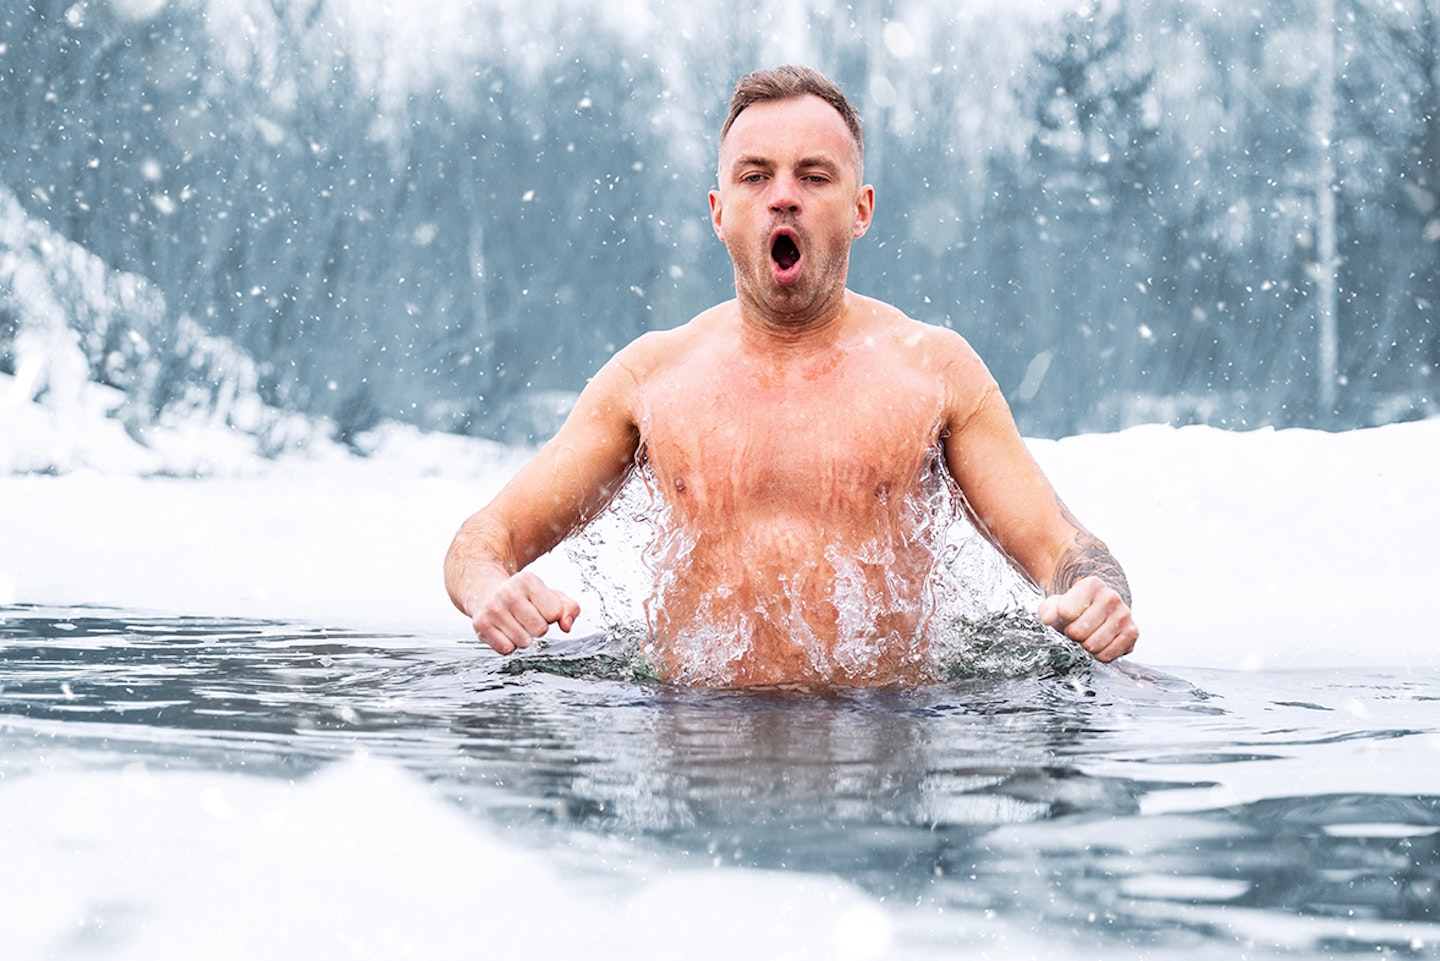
<point>680,484</point>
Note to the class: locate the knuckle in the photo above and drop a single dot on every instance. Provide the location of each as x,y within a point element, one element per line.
<point>497,642</point>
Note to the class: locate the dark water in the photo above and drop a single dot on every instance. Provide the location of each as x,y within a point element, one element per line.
<point>1293,813</point>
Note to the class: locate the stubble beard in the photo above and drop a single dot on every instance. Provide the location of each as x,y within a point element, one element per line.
<point>816,295</point>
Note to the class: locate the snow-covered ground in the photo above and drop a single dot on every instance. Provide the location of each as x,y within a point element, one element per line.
<point>1251,550</point>
<point>1264,550</point>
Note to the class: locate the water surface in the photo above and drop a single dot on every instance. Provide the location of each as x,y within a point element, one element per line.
<point>1100,810</point>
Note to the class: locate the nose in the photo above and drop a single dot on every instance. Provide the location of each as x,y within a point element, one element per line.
<point>785,194</point>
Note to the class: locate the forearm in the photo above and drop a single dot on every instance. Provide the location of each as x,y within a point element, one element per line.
<point>1085,556</point>
<point>479,559</point>
<point>507,606</point>
<point>1013,504</point>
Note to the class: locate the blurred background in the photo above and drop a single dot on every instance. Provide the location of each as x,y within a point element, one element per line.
<point>450,213</point>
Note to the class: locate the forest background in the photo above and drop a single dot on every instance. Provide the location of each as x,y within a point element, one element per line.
<point>450,213</point>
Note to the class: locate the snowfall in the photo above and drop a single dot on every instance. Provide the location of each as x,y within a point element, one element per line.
<point>1246,551</point>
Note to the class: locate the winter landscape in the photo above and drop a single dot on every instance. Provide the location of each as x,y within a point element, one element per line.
<point>287,290</point>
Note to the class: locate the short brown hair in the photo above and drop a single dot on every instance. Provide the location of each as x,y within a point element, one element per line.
<point>788,82</point>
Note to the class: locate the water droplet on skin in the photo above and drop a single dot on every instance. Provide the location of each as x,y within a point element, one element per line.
<point>975,610</point>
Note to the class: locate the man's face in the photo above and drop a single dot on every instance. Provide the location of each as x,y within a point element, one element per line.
<point>789,205</point>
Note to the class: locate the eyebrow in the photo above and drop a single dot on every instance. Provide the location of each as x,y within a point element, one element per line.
<point>805,163</point>
<point>819,163</point>
<point>751,161</point>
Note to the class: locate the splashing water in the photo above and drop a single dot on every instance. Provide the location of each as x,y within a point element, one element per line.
<point>974,616</point>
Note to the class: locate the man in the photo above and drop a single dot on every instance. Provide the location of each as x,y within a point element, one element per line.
<point>791,436</point>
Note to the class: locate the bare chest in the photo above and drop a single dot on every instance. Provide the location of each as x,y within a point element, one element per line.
<point>833,437</point>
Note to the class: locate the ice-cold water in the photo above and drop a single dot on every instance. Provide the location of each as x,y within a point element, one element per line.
<point>179,787</point>
<point>637,560</point>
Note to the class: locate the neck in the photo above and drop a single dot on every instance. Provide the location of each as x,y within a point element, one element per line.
<point>817,325</point>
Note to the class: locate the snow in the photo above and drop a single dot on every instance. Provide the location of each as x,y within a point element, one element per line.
<point>1256,550</point>
<point>1264,550</point>
<point>359,861</point>
<point>1260,551</point>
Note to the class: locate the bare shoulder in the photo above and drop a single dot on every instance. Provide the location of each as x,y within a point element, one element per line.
<point>652,352</point>
<point>914,336</point>
<point>935,352</point>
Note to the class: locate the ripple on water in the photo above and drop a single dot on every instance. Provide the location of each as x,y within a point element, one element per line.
<point>1108,806</point>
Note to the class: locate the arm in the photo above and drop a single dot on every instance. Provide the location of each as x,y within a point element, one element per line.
<point>569,481</point>
<point>1089,598</point>
<point>1011,501</point>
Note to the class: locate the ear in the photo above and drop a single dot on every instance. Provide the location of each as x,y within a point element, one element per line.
<point>715,209</point>
<point>864,210</point>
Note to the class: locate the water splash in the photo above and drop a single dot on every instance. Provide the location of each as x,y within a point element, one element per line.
<point>973,619</point>
<point>612,551</point>
<point>1007,644</point>
<point>616,656</point>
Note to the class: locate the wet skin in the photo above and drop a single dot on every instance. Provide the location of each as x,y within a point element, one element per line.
<point>788,432</point>
<point>773,471</point>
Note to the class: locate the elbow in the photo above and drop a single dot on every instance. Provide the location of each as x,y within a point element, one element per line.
<point>474,550</point>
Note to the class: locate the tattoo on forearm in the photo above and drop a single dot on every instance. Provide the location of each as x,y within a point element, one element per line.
<point>1087,555</point>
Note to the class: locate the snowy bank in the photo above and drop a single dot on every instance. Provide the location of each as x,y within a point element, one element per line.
<point>1252,550</point>
<point>1269,548</point>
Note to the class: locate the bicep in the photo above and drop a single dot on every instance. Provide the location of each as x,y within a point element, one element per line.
<point>1007,494</point>
<point>575,474</point>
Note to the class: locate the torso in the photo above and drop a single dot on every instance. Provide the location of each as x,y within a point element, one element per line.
<point>794,484</point>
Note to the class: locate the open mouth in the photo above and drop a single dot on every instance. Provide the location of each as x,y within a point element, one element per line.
<point>785,252</point>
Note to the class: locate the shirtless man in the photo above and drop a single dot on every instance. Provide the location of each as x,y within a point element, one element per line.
<point>791,433</point>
